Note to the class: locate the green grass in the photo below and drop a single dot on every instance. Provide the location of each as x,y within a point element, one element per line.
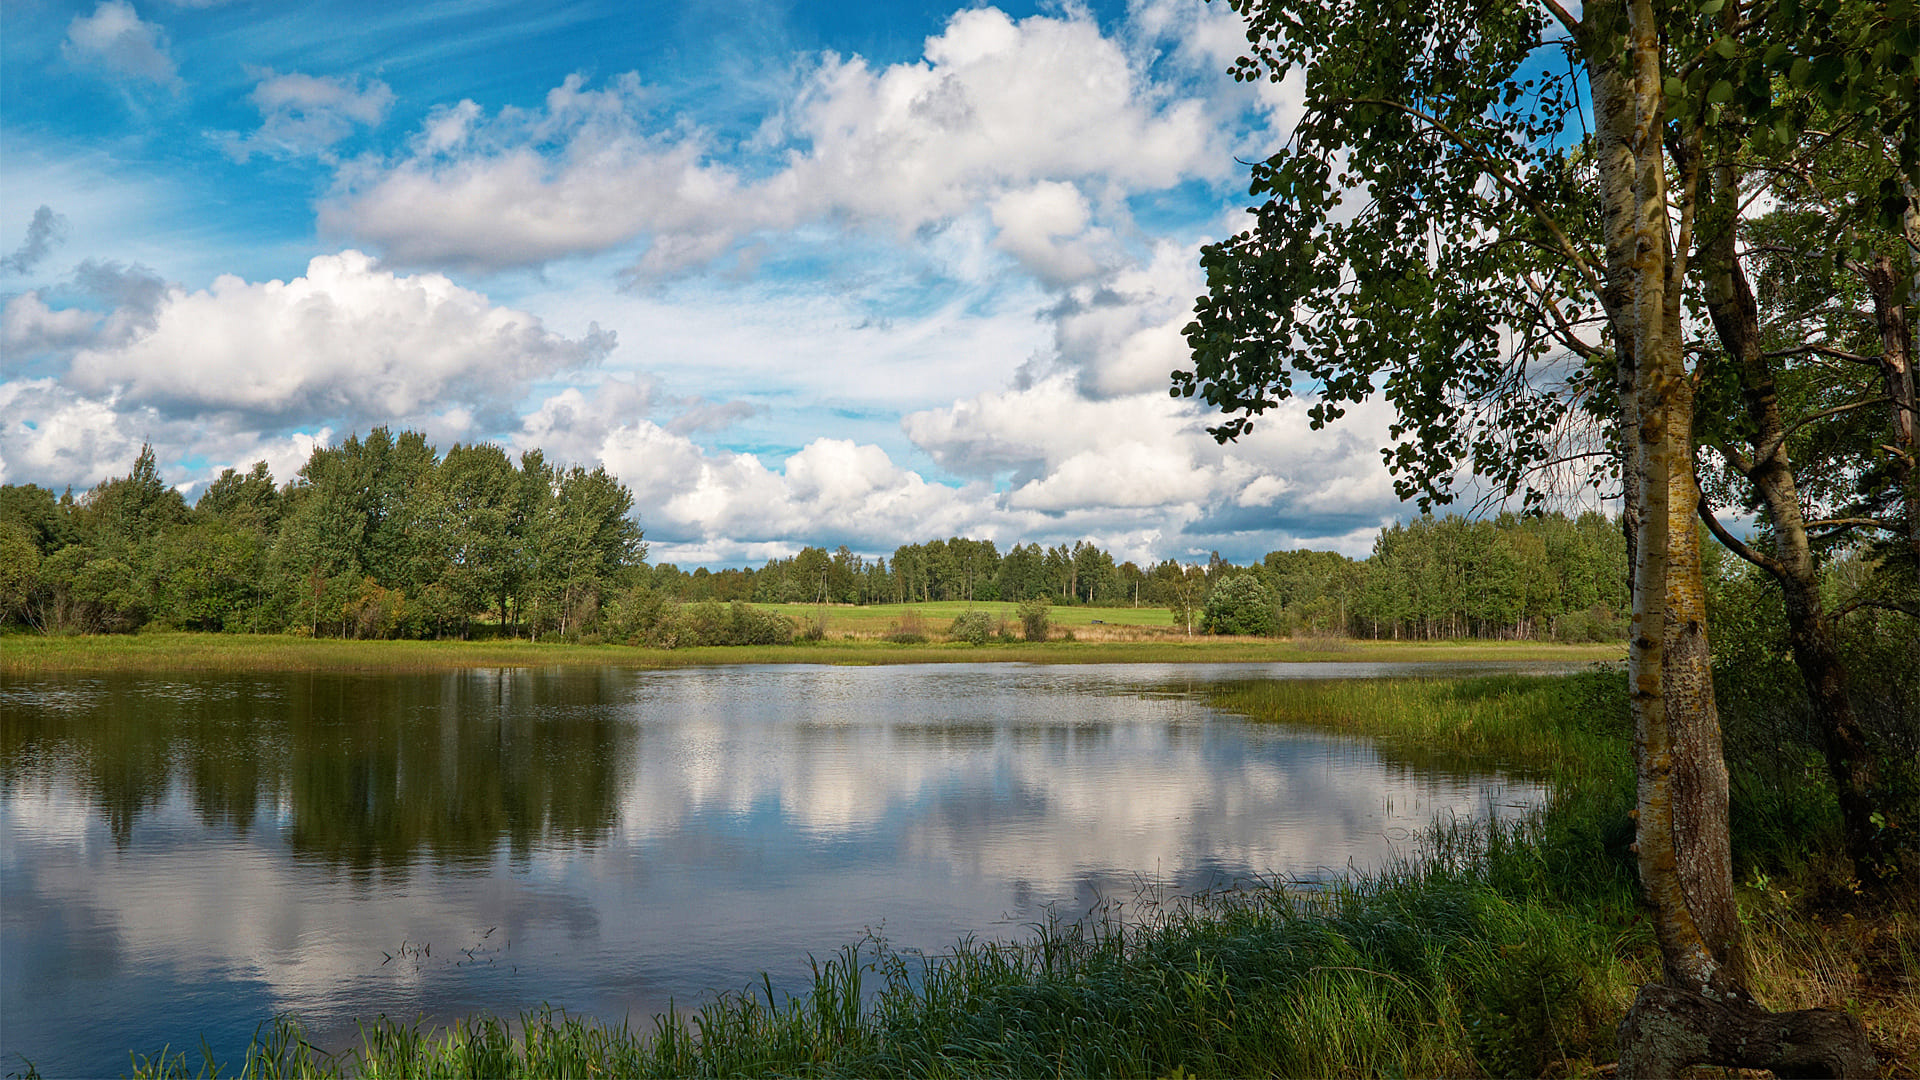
<point>24,654</point>
<point>1572,730</point>
<point>875,618</point>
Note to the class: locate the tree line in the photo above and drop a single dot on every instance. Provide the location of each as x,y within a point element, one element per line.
<point>379,536</point>
<point>383,536</point>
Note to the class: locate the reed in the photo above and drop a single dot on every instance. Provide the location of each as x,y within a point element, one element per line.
<point>1574,728</point>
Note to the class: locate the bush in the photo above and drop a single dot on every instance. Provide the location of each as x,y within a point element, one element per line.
<point>972,627</point>
<point>909,629</point>
<point>643,616</point>
<point>1597,623</point>
<point>713,623</point>
<point>1241,604</point>
<point>1035,617</point>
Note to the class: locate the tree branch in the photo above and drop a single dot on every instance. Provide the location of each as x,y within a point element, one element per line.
<point>1772,448</point>
<point>1736,545</point>
<point>1823,350</point>
<point>1842,523</point>
<point>1546,219</point>
<point>1884,604</point>
<point>1563,17</point>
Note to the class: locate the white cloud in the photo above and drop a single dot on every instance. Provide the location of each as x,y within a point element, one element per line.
<point>488,193</point>
<point>115,38</point>
<point>28,327</point>
<point>1145,457</point>
<point>307,114</point>
<point>1045,226</point>
<point>1122,334</point>
<point>347,341</point>
<point>901,147</point>
<point>52,437</point>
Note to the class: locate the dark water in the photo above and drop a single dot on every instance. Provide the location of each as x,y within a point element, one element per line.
<point>187,856</point>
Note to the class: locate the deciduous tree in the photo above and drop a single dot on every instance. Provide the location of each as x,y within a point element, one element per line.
<point>1443,230</point>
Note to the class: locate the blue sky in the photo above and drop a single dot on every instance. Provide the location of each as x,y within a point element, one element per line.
<point>861,273</point>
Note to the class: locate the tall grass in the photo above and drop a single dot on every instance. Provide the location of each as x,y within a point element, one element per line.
<point>1431,970</point>
<point>1574,729</point>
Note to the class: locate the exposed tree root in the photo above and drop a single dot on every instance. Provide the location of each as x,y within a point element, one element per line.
<point>1668,1030</point>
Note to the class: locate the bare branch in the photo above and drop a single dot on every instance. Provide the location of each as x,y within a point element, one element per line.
<point>1879,602</point>
<point>1564,17</point>
<point>1843,523</point>
<point>1824,350</point>
<point>1773,447</point>
<point>1738,546</point>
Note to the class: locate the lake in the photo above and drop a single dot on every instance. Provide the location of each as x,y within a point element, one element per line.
<point>187,856</point>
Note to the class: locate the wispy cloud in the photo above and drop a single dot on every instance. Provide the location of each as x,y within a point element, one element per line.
<point>44,233</point>
<point>115,39</point>
<point>304,115</point>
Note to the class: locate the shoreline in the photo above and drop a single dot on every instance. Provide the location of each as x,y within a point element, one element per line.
<point>29,655</point>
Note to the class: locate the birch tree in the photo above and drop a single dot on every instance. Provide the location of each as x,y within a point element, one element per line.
<point>1445,229</point>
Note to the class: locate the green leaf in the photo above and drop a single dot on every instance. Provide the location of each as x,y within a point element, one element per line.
<point>1712,7</point>
<point>1727,46</point>
<point>1721,93</point>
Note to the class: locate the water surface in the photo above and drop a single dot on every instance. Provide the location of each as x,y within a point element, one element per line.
<point>190,855</point>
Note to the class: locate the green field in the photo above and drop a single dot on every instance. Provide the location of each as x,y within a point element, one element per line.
<point>24,654</point>
<point>876,618</point>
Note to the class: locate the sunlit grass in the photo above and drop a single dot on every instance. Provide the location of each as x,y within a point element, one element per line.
<point>22,654</point>
<point>1573,728</point>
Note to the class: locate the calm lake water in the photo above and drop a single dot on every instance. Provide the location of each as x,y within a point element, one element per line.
<point>187,856</point>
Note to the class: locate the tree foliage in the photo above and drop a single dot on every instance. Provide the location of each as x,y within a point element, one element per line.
<point>1444,229</point>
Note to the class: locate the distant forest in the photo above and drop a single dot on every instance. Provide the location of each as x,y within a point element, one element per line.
<point>383,536</point>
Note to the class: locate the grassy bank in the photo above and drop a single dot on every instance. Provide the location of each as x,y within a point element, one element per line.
<point>1504,952</point>
<point>23,654</point>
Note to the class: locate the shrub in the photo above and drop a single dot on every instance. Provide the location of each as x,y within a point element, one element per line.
<point>1035,617</point>
<point>909,629</point>
<point>643,616</point>
<point>1241,604</point>
<point>972,627</point>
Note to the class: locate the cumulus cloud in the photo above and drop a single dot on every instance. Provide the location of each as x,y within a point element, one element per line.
<point>56,436</point>
<point>125,300</point>
<point>1146,456</point>
<point>116,40</point>
<point>524,187</point>
<point>29,327</point>
<point>1046,227</point>
<point>346,341</point>
<point>44,233</point>
<point>50,436</point>
<point>899,147</point>
<point>307,114</point>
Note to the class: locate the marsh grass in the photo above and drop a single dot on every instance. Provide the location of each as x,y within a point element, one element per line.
<point>1573,729</point>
